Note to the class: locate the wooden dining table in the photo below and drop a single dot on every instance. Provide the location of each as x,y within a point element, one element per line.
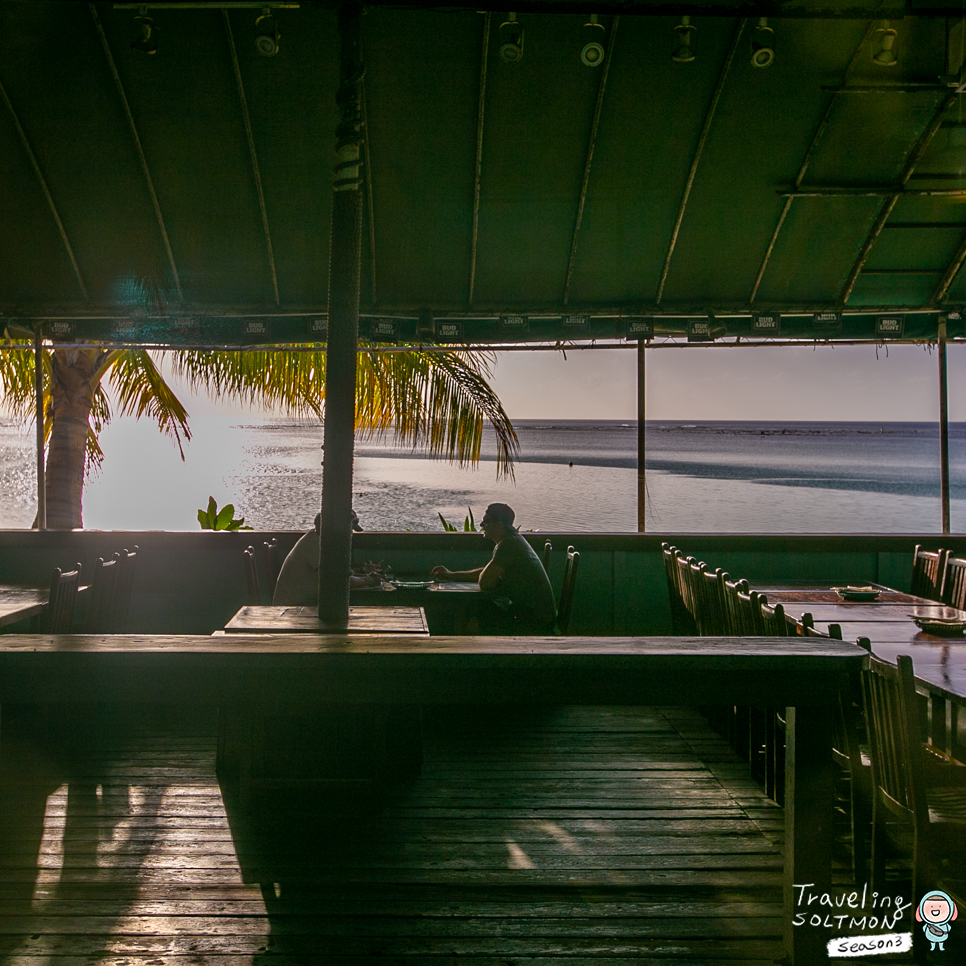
<point>18,603</point>
<point>363,620</point>
<point>939,661</point>
<point>448,605</point>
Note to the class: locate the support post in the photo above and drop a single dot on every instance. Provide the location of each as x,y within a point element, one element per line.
<point>641,463</point>
<point>41,470</point>
<point>345,264</point>
<point>943,428</point>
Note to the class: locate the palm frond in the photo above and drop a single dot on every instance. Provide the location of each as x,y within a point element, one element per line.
<point>439,400</point>
<point>17,380</point>
<point>142,391</point>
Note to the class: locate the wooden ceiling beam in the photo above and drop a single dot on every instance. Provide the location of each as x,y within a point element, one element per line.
<point>702,140</point>
<point>250,135</point>
<point>35,164</point>
<point>820,130</point>
<point>589,157</point>
<point>146,171</point>
<point>478,176</point>
<point>887,206</point>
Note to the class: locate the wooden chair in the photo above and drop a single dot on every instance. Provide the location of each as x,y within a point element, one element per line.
<point>912,786</point>
<point>954,582</point>
<point>545,559</point>
<point>251,576</point>
<point>773,620</point>
<point>270,558</point>
<point>567,591</point>
<point>103,592</point>
<point>699,608</point>
<point>711,594</point>
<point>748,607</point>
<point>126,567</point>
<point>687,593</point>
<point>731,589</point>
<point>62,600</point>
<point>681,620</point>
<point>928,567</point>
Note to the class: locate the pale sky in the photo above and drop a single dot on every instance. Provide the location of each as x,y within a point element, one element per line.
<point>781,383</point>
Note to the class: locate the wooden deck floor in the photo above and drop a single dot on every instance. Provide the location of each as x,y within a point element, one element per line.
<point>564,836</point>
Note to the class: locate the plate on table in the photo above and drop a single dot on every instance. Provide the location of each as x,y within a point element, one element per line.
<point>858,594</point>
<point>941,627</point>
<point>413,584</point>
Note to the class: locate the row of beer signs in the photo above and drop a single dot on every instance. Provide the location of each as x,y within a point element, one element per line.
<point>707,328</point>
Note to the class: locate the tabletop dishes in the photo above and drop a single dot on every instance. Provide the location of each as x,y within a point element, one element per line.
<point>940,626</point>
<point>857,594</point>
<point>412,584</point>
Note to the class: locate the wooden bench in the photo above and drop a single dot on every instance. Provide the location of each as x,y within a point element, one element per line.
<point>299,674</point>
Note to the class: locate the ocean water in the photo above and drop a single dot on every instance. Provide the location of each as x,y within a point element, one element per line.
<point>707,476</point>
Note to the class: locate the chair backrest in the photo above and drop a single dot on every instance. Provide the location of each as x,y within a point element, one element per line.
<point>127,561</point>
<point>62,600</point>
<point>954,582</point>
<point>895,738</point>
<point>567,591</point>
<point>748,606</point>
<point>251,575</point>
<point>731,589</point>
<point>695,578</point>
<point>773,621</point>
<point>680,619</point>
<point>100,606</point>
<point>928,567</point>
<point>711,596</point>
<point>545,559</point>
<point>273,565</point>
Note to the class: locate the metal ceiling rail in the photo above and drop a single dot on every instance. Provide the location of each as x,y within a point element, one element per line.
<point>949,276</point>
<point>370,204</point>
<point>137,144</point>
<point>705,130</point>
<point>43,187</point>
<point>256,171</point>
<point>478,176</point>
<point>589,159</point>
<point>886,209</point>
<point>874,192</point>
<point>820,130</point>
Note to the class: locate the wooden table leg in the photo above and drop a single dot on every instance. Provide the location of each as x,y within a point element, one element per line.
<point>808,826</point>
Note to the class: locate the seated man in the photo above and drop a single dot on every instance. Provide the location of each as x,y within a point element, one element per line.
<point>520,598</point>
<point>298,579</point>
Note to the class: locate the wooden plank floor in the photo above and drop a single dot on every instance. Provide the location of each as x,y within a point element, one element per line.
<point>567,836</point>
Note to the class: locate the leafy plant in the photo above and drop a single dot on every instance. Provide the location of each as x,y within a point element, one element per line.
<point>469,524</point>
<point>223,519</point>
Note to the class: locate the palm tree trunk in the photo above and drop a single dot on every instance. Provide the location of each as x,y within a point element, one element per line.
<point>73,383</point>
<point>345,254</point>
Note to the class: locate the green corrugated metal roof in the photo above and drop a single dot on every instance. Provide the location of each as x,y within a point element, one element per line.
<point>422,98</point>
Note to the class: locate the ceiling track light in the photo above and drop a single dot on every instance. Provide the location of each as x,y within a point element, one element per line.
<point>267,35</point>
<point>763,44</point>
<point>511,35</point>
<point>883,46</point>
<point>682,53</point>
<point>145,41</point>
<point>592,54</point>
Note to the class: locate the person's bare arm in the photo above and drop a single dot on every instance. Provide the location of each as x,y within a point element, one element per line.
<point>490,576</point>
<point>442,573</point>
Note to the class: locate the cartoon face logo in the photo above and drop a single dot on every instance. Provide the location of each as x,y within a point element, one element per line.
<point>936,911</point>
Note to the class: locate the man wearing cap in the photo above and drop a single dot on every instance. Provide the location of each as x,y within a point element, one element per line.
<point>520,596</point>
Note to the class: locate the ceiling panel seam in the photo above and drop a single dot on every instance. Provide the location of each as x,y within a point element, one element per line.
<point>478,177</point>
<point>705,131</point>
<point>46,190</point>
<point>823,124</point>
<point>889,204</point>
<point>370,204</point>
<point>140,150</point>
<point>249,133</point>
<point>589,160</point>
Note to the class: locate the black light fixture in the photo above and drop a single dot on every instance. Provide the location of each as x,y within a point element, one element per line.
<point>592,53</point>
<point>267,35</point>
<point>511,35</point>
<point>883,46</point>
<point>682,52</point>
<point>145,41</point>
<point>763,44</point>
